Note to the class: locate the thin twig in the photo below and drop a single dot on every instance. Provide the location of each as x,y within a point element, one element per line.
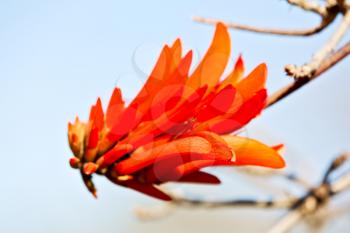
<point>341,184</point>
<point>307,70</point>
<point>272,31</point>
<point>284,203</point>
<point>309,6</point>
<point>273,173</point>
<point>316,197</point>
<point>338,162</point>
<point>324,66</point>
<point>308,204</point>
<point>286,223</point>
<point>157,212</point>
<point>322,60</point>
<point>327,12</point>
<point>311,203</point>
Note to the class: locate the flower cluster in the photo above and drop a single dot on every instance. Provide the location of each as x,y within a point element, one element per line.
<point>178,124</point>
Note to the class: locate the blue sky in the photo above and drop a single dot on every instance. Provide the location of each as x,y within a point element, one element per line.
<point>56,57</point>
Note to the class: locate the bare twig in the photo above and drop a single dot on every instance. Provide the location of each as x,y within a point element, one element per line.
<point>286,223</point>
<point>273,31</point>
<point>273,173</point>
<point>307,70</point>
<point>322,60</point>
<point>284,203</point>
<point>316,197</point>
<point>298,208</point>
<point>324,66</point>
<point>327,12</point>
<point>341,184</point>
<point>309,6</point>
<point>338,162</point>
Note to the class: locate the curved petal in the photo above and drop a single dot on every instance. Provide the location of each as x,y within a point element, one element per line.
<point>194,166</point>
<point>254,82</point>
<point>200,177</point>
<point>176,51</point>
<point>125,124</point>
<point>97,115</point>
<point>115,108</point>
<point>236,75</point>
<point>148,189</point>
<point>142,158</point>
<point>167,62</point>
<point>218,105</point>
<point>164,170</point>
<point>158,73</point>
<point>247,152</point>
<point>169,95</point>
<point>252,152</point>
<point>213,64</point>
<point>114,154</point>
<point>92,141</point>
<point>244,114</point>
<point>166,123</point>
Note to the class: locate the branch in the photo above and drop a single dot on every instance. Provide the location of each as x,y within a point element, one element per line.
<point>309,6</point>
<point>286,223</point>
<point>341,184</point>
<point>273,173</point>
<point>322,60</point>
<point>328,63</point>
<point>316,197</point>
<point>160,211</point>
<point>308,204</point>
<point>338,162</point>
<point>286,203</point>
<point>301,32</point>
<point>308,69</point>
<point>328,13</point>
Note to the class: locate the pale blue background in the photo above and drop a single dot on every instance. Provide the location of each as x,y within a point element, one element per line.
<point>56,57</point>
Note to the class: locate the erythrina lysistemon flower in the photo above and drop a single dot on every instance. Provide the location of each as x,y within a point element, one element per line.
<point>178,124</point>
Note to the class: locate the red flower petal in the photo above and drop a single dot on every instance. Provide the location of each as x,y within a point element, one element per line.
<point>93,138</point>
<point>146,132</point>
<point>115,108</point>
<point>98,121</point>
<point>181,147</point>
<point>125,124</point>
<point>147,189</point>
<point>194,166</point>
<point>218,105</point>
<point>252,152</point>
<point>236,75</point>
<point>114,154</point>
<point>246,112</point>
<point>176,51</point>
<point>253,83</point>
<point>169,95</point>
<point>200,177</point>
<point>213,64</point>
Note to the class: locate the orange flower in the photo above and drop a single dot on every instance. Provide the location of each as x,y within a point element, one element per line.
<point>178,124</point>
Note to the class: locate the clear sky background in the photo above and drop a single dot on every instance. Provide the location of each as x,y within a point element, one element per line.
<point>56,57</point>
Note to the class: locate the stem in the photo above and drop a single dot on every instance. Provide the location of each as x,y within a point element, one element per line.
<point>328,63</point>
<point>309,6</point>
<point>273,31</point>
<point>287,222</point>
<point>287,203</point>
<point>307,70</point>
<point>341,184</point>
